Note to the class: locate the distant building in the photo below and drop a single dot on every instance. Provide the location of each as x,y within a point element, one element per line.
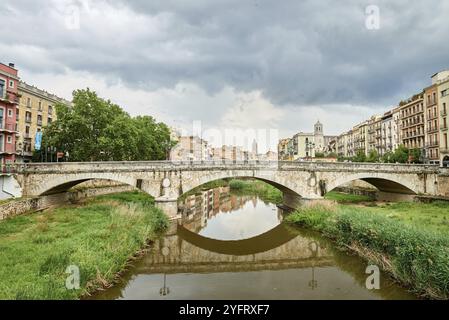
<point>441,81</point>
<point>304,145</point>
<point>190,148</point>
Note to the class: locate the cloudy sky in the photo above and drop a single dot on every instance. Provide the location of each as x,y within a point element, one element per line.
<point>255,64</point>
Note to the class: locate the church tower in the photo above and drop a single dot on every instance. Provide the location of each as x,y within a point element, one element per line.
<point>318,129</point>
<point>319,137</point>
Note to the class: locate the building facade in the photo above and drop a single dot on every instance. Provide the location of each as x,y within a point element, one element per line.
<point>190,148</point>
<point>9,100</point>
<point>441,80</point>
<point>412,122</point>
<point>305,145</point>
<point>36,110</point>
<point>432,128</point>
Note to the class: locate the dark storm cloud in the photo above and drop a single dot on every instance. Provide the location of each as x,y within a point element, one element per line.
<point>295,52</point>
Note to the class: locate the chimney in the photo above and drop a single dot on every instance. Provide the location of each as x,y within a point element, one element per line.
<point>11,65</point>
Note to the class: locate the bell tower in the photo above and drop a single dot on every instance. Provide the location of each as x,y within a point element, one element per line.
<point>318,129</point>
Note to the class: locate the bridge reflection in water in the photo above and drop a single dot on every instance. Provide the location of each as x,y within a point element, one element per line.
<point>277,262</point>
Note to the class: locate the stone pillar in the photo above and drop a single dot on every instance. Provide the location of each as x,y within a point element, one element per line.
<point>169,206</point>
<point>294,201</point>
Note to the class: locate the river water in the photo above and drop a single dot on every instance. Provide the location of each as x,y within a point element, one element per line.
<point>230,246</point>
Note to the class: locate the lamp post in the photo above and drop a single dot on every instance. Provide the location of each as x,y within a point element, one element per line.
<point>309,147</point>
<point>164,290</point>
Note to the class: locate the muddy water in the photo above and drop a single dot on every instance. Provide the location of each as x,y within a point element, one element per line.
<point>229,246</point>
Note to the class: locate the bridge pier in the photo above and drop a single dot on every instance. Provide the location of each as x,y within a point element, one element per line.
<point>168,206</point>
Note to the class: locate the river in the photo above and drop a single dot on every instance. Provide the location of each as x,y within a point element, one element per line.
<point>231,246</point>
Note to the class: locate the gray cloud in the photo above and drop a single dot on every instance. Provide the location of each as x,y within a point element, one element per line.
<point>294,52</point>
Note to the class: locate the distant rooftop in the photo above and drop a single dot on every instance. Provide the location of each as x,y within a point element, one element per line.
<point>44,94</point>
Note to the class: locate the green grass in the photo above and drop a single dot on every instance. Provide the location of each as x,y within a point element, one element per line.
<point>415,254</point>
<point>429,216</point>
<point>347,198</point>
<point>265,191</point>
<point>98,236</point>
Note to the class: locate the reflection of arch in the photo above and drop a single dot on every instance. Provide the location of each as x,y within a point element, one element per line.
<point>261,243</point>
<point>62,183</point>
<point>383,182</point>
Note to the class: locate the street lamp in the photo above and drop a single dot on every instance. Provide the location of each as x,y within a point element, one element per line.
<point>309,147</point>
<point>164,290</point>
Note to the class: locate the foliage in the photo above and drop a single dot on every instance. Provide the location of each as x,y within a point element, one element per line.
<point>418,258</point>
<point>94,129</point>
<point>347,198</point>
<point>360,156</point>
<point>373,156</point>
<point>99,237</point>
<point>319,155</point>
<point>265,191</point>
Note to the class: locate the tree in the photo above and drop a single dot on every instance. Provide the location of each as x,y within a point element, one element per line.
<point>373,156</point>
<point>400,155</point>
<point>319,155</point>
<point>94,129</point>
<point>415,156</point>
<point>360,156</point>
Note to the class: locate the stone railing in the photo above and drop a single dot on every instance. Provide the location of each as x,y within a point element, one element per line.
<point>124,166</point>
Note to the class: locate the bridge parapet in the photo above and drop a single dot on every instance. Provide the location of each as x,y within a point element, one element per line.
<point>123,166</point>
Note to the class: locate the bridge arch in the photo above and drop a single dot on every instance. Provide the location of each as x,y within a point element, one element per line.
<point>382,181</point>
<point>62,183</point>
<point>276,181</point>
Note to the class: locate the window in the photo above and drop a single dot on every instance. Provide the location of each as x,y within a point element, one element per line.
<point>444,93</point>
<point>50,110</point>
<point>1,142</point>
<point>40,106</point>
<point>9,113</point>
<point>29,102</point>
<point>2,88</point>
<point>39,120</point>
<point>9,139</point>
<point>11,83</point>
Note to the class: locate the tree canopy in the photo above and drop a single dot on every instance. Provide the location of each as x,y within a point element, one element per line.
<point>94,129</point>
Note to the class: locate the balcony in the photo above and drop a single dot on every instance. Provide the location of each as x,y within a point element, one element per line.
<point>39,122</point>
<point>445,151</point>
<point>8,98</point>
<point>8,127</point>
<point>432,116</point>
<point>432,144</point>
<point>28,119</point>
<point>443,113</point>
<point>432,129</point>
<point>443,127</point>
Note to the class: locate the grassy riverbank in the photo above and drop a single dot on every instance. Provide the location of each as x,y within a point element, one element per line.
<point>99,236</point>
<point>406,239</point>
<point>265,191</point>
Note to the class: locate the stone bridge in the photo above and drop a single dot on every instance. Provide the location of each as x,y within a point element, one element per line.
<point>166,181</point>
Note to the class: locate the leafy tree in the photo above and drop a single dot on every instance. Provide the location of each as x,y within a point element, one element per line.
<point>319,155</point>
<point>360,156</point>
<point>415,156</point>
<point>400,155</point>
<point>387,157</point>
<point>94,129</point>
<point>373,156</point>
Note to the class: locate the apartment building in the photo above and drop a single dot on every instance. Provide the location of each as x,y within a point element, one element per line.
<point>412,122</point>
<point>190,148</point>
<point>441,80</point>
<point>9,99</point>
<point>387,133</point>
<point>35,111</point>
<point>360,138</point>
<point>432,128</point>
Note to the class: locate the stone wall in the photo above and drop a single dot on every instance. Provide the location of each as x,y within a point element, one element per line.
<point>18,207</point>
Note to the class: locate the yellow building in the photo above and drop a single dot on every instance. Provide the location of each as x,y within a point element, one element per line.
<point>36,110</point>
<point>441,79</point>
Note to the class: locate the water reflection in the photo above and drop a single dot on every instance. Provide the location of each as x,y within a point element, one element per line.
<point>208,255</point>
